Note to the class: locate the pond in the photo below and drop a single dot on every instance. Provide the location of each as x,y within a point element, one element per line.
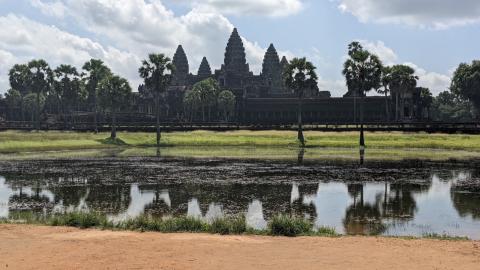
<point>401,199</point>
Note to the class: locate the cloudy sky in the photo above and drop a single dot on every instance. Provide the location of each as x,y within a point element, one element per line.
<point>434,36</point>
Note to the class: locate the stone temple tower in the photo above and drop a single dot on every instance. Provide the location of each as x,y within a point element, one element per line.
<point>272,71</point>
<point>235,71</point>
<point>180,61</point>
<point>204,71</point>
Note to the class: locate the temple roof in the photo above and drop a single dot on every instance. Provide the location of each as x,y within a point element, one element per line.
<point>271,62</point>
<point>284,62</point>
<point>204,71</point>
<point>180,61</point>
<point>235,57</point>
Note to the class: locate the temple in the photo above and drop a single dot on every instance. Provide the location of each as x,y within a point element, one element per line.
<point>265,98</point>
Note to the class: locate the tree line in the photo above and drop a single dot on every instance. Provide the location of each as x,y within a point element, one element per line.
<point>36,87</point>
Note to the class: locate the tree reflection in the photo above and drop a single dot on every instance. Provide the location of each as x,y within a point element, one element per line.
<point>360,217</point>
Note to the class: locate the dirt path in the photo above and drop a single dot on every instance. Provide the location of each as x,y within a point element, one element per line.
<point>36,247</point>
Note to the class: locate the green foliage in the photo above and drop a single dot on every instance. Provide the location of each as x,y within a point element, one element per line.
<point>326,231</point>
<point>362,70</point>
<point>13,98</point>
<point>113,141</point>
<point>41,76</point>
<point>30,105</point>
<point>94,72</point>
<point>225,226</point>
<point>114,93</point>
<point>226,103</point>
<point>203,96</point>
<point>449,108</point>
<point>80,220</point>
<point>299,76</point>
<point>402,79</point>
<point>289,226</point>
<point>20,78</point>
<point>444,237</point>
<point>466,83</point>
<point>68,87</point>
<point>157,73</point>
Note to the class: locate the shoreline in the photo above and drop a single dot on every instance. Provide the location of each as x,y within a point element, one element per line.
<point>43,247</point>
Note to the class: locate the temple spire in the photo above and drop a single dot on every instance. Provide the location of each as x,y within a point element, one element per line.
<point>283,62</point>
<point>180,62</point>
<point>235,57</point>
<point>271,62</point>
<point>204,71</point>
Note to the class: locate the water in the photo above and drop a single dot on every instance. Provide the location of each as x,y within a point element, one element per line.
<point>430,203</point>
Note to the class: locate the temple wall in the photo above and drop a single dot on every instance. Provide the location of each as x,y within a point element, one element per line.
<point>335,110</point>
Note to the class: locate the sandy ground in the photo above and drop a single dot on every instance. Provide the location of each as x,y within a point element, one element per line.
<point>38,247</point>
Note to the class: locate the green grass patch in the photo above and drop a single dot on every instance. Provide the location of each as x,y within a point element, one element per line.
<point>282,225</point>
<point>115,141</point>
<point>444,237</point>
<point>241,144</point>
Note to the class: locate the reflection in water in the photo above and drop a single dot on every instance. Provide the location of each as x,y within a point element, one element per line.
<point>355,208</point>
<point>254,216</point>
<point>295,194</point>
<point>138,201</point>
<point>215,211</point>
<point>194,210</point>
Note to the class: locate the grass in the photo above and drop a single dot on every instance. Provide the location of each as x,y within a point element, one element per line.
<point>241,143</point>
<point>444,237</point>
<point>280,225</point>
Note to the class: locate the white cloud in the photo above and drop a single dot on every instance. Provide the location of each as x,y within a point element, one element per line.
<point>386,54</point>
<point>337,88</point>
<point>54,9</point>
<point>142,27</point>
<point>272,8</point>
<point>22,39</point>
<point>135,27</point>
<point>437,14</point>
<point>436,82</point>
<point>7,60</point>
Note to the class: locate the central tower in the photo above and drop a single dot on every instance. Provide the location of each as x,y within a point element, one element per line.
<point>235,71</point>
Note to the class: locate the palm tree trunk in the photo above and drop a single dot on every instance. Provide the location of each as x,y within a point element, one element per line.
<point>114,126</point>
<point>387,111</point>
<point>301,138</point>
<point>38,112</point>
<point>158,121</point>
<point>362,138</point>
<point>354,109</point>
<point>95,115</point>
<point>396,106</point>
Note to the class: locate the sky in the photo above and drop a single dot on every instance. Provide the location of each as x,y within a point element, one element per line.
<point>433,36</point>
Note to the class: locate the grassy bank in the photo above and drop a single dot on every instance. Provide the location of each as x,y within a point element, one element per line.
<point>16,141</point>
<point>278,226</point>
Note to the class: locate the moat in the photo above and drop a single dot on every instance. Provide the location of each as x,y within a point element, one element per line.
<point>400,198</point>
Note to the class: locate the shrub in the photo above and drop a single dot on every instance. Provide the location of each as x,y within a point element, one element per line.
<point>289,226</point>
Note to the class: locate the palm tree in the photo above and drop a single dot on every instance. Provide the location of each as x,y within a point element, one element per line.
<point>96,71</point>
<point>299,75</point>
<point>157,74</point>
<point>114,93</point>
<point>68,89</point>
<point>226,103</point>
<point>385,81</point>
<point>362,71</point>
<point>41,81</point>
<point>402,80</point>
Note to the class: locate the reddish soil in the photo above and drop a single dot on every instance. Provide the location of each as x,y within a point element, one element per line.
<point>39,247</point>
